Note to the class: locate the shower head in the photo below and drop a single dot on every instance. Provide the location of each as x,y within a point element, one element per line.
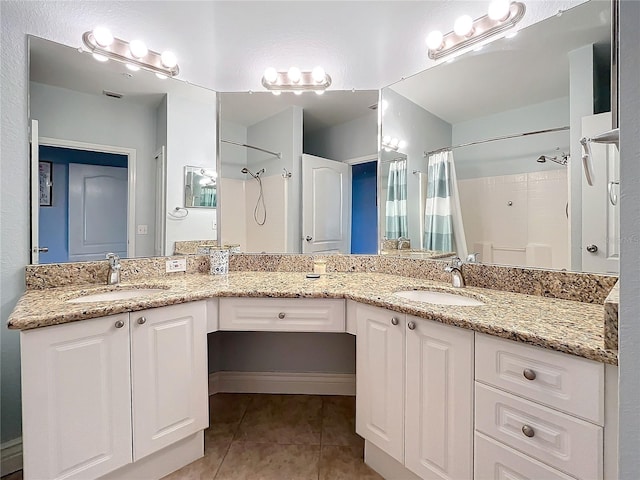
<point>245,170</point>
<point>254,175</point>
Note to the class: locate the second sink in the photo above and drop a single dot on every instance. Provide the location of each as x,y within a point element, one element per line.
<point>439,298</point>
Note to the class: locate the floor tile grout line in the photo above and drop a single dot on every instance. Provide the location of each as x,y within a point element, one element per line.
<point>232,438</point>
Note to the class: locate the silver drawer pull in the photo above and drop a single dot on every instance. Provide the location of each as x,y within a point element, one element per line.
<point>528,431</point>
<point>142,320</point>
<point>529,374</point>
<point>394,321</point>
<point>119,324</point>
<point>281,315</point>
<point>411,325</point>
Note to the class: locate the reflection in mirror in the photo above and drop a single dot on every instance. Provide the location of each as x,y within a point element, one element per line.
<point>286,182</point>
<point>118,141</point>
<point>200,187</point>
<point>502,127</point>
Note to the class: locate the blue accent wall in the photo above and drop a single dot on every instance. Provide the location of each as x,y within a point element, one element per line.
<point>54,220</point>
<point>364,213</point>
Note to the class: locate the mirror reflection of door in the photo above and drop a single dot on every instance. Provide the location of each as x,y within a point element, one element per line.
<point>87,215</point>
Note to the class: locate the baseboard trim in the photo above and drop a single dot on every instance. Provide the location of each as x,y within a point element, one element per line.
<point>283,382</point>
<point>11,456</point>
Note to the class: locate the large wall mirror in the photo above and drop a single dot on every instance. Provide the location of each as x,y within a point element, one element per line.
<point>493,160</point>
<point>298,172</point>
<point>116,143</point>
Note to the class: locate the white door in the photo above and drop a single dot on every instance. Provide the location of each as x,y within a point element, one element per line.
<point>169,375</point>
<point>326,205</point>
<point>439,400</point>
<point>380,378</point>
<point>161,202</point>
<point>76,399</point>
<point>97,211</point>
<point>35,192</point>
<point>600,217</point>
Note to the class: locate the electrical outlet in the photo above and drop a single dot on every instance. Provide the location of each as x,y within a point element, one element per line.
<point>177,265</point>
<point>142,230</point>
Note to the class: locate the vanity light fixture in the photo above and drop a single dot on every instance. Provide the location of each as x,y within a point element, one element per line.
<point>502,15</point>
<point>392,144</point>
<point>134,54</point>
<point>296,81</point>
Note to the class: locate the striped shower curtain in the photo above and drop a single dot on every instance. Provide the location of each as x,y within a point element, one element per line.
<point>444,230</point>
<point>396,206</point>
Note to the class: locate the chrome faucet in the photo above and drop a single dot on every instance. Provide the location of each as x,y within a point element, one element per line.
<point>403,243</point>
<point>455,269</point>
<point>113,278</point>
<point>473,257</point>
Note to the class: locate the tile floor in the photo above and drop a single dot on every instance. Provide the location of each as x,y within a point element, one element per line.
<point>277,437</point>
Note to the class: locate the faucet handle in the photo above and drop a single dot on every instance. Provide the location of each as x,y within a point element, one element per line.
<point>455,262</point>
<point>114,260</point>
<point>473,257</point>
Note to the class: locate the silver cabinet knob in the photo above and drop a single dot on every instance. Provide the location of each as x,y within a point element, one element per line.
<point>411,325</point>
<point>394,321</point>
<point>308,238</point>
<point>529,374</point>
<point>281,315</point>
<point>142,320</point>
<point>528,431</point>
<point>119,324</point>
<point>592,248</point>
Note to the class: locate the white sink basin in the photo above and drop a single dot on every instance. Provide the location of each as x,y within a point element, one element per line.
<point>123,294</point>
<point>439,298</point>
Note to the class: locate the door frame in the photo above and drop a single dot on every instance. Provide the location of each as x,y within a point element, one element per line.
<point>131,177</point>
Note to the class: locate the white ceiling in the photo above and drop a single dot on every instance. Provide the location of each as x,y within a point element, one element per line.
<point>530,68</point>
<point>226,45</point>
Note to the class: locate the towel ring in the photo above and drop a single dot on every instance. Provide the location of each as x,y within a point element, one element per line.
<point>176,210</point>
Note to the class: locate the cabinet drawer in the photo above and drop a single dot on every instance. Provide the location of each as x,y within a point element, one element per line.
<point>564,442</point>
<point>494,461</point>
<point>568,383</point>
<point>282,314</point>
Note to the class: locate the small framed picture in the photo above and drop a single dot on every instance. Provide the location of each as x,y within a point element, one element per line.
<point>46,184</point>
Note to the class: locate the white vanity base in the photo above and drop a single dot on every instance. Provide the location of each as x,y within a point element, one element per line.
<point>163,462</point>
<point>387,466</point>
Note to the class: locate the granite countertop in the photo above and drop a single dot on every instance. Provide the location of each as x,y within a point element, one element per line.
<point>563,325</point>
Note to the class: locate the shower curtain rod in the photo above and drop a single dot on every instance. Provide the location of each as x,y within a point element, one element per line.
<point>277,154</point>
<point>515,135</point>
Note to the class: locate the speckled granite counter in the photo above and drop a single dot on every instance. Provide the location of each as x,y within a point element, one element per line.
<point>563,325</point>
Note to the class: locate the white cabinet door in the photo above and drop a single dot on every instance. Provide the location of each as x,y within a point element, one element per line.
<point>169,369</point>
<point>76,399</point>
<point>439,400</point>
<point>380,379</point>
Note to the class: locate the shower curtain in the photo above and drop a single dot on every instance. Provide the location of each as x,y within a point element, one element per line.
<point>396,206</point>
<point>444,230</point>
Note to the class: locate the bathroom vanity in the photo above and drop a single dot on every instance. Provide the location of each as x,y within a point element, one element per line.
<point>438,394</point>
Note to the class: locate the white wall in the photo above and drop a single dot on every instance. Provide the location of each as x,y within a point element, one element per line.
<point>69,115</point>
<point>422,131</point>
<point>518,155</point>
<point>629,326</point>
<point>191,140</point>
<point>352,139</point>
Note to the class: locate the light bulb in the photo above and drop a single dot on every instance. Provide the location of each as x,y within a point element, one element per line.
<point>133,68</point>
<point>463,25</point>
<point>386,140</point>
<point>294,74</point>
<point>138,49</point>
<point>402,144</point>
<point>499,9</point>
<point>319,92</point>
<point>394,142</point>
<point>318,74</point>
<point>270,75</point>
<point>276,92</point>
<point>168,59</point>
<point>161,76</point>
<point>297,92</point>
<point>100,58</point>
<point>434,40</point>
<point>102,36</point>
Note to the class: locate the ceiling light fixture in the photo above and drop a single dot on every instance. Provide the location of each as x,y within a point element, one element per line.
<point>296,81</point>
<point>105,46</point>
<point>502,16</point>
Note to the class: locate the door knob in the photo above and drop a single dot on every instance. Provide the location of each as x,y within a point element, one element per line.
<point>411,325</point>
<point>142,320</point>
<point>281,315</point>
<point>394,321</point>
<point>308,238</point>
<point>528,431</point>
<point>119,324</point>
<point>592,248</point>
<point>529,374</point>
